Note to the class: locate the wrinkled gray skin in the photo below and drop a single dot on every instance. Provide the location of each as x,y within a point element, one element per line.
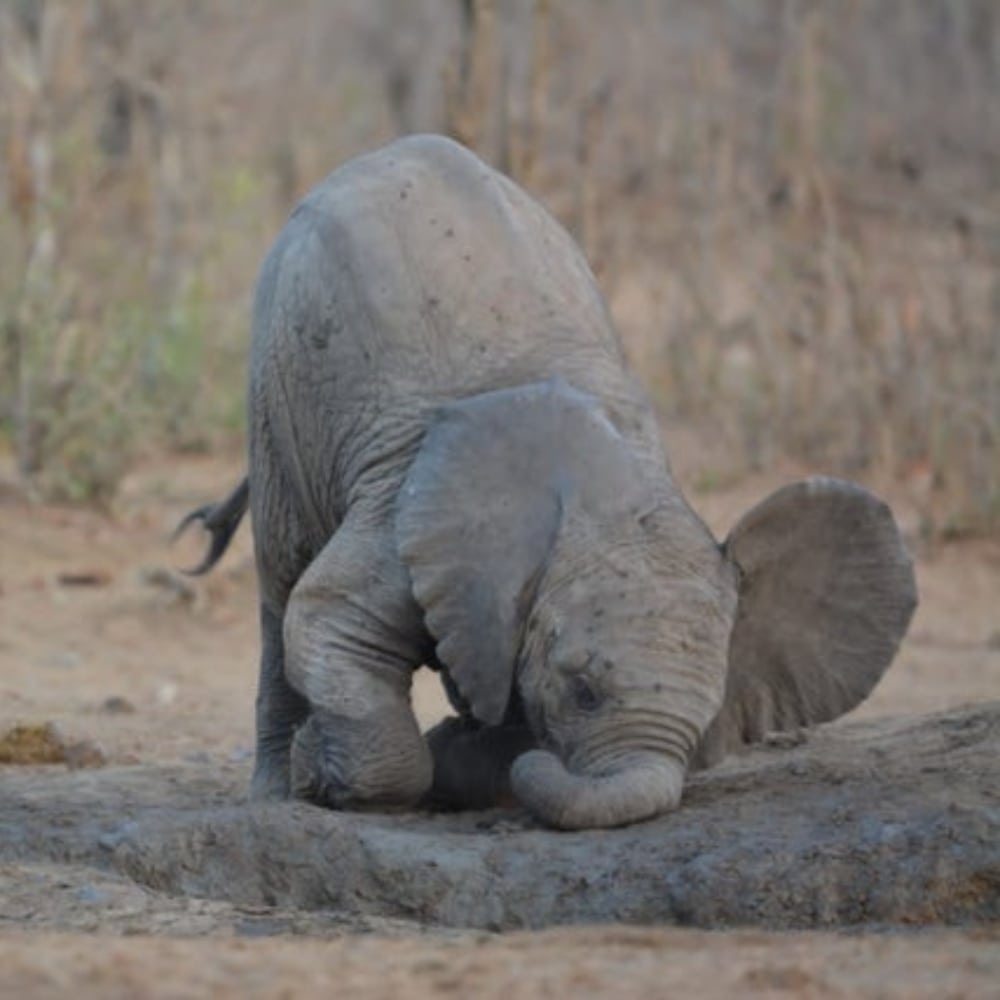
<point>451,464</point>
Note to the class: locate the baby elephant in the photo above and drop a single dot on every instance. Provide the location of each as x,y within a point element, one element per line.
<point>450,464</point>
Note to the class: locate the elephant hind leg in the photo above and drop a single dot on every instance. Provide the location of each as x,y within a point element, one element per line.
<point>472,762</point>
<point>353,636</point>
<point>280,709</point>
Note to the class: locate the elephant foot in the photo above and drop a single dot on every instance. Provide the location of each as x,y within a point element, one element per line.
<point>270,782</point>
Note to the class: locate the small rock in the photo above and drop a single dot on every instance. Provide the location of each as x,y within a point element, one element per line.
<point>786,740</point>
<point>90,894</point>
<point>84,578</point>
<point>166,693</point>
<point>116,704</point>
<point>83,753</point>
<point>175,587</point>
<point>110,839</point>
<point>262,927</point>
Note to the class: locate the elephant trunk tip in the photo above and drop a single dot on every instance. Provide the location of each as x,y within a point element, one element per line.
<point>639,790</point>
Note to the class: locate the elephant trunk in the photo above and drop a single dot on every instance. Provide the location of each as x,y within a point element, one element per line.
<point>643,786</point>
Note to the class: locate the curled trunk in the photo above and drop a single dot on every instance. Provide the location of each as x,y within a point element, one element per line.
<point>642,787</point>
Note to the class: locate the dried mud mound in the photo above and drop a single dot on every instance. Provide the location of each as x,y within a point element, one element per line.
<point>895,822</point>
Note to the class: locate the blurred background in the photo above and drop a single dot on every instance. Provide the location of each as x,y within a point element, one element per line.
<point>793,208</point>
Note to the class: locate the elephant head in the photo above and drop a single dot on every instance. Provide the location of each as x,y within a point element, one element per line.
<point>554,561</point>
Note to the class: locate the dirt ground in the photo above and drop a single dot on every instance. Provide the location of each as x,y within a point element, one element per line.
<point>134,663</point>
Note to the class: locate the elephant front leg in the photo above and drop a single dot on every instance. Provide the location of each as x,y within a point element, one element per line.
<point>280,710</point>
<point>352,637</point>
<point>472,762</point>
<point>375,761</point>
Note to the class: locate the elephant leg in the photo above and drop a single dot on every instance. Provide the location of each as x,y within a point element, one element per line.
<point>280,711</point>
<point>472,762</point>
<point>353,636</point>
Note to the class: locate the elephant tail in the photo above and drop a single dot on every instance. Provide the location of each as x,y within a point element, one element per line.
<point>221,519</point>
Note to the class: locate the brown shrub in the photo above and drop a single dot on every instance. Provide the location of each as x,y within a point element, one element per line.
<point>792,206</point>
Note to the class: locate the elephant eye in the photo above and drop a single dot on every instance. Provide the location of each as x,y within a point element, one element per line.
<point>584,696</point>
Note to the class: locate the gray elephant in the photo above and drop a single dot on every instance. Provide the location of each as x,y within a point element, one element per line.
<point>450,464</point>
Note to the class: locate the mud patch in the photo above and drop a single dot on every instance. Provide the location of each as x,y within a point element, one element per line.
<point>890,823</point>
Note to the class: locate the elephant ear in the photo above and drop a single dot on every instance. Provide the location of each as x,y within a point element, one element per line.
<point>825,596</point>
<point>480,511</point>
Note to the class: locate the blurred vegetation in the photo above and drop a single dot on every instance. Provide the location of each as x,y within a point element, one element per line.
<point>793,207</point>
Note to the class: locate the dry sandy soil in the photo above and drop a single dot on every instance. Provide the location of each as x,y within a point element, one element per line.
<point>138,664</point>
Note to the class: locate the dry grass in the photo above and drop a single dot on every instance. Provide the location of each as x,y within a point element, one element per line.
<point>792,206</point>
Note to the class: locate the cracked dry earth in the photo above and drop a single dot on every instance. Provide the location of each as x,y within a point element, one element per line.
<point>862,860</point>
